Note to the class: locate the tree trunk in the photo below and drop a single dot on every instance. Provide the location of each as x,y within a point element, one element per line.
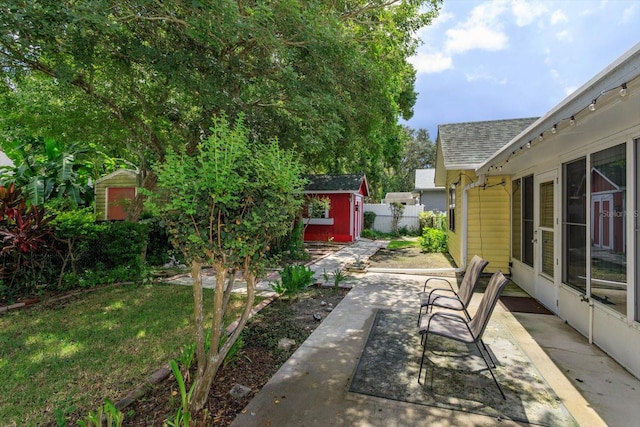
<point>137,206</point>
<point>216,355</point>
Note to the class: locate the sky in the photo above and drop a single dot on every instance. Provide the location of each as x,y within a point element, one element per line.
<point>504,59</point>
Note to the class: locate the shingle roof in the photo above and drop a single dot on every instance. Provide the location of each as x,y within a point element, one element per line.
<point>470,144</point>
<point>335,183</point>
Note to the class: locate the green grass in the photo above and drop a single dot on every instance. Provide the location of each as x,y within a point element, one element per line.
<point>399,244</point>
<point>100,345</point>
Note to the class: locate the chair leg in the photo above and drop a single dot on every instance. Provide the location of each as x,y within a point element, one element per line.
<point>495,380</point>
<point>425,337</point>
<point>484,346</point>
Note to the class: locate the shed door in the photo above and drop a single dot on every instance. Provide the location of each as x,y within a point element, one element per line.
<point>118,200</point>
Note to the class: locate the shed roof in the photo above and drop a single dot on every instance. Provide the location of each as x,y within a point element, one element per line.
<point>468,145</point>
<point>345,183</point>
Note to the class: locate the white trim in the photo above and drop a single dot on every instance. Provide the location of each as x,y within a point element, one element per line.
<point>317,221</point>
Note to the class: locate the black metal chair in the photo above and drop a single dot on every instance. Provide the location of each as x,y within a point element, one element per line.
<point>452,326</point>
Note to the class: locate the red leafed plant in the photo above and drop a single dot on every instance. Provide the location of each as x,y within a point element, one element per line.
<point>25,234</point>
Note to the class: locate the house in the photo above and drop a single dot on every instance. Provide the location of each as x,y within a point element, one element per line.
<point>575,197</point>
<point>5,160</point>
<point>114,192</point>
<point>477,211</point>
<point>342,219</point>
<point>432,197</point>
<point>405,198</point>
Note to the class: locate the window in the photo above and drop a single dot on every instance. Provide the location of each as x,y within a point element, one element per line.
<point>574,224</point>
<point>527,220</point>
<point>608,227</point>
<point>516,219</point>
<point>522,220</point>
<point>452,207</point>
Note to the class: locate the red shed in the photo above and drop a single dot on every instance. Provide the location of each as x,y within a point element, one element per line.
<point>344,219</point>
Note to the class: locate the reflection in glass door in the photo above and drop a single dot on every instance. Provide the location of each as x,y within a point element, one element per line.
<point>544,238</point>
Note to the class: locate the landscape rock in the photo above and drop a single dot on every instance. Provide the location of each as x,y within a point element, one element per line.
<point>317,316</point>
<point>286,343</point>
<point>239,391</point>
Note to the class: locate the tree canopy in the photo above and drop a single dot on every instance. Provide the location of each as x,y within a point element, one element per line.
<point>419,153</point>
<point>328,78</point>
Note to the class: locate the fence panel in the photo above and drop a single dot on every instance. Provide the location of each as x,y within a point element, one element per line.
<point>384,218</point>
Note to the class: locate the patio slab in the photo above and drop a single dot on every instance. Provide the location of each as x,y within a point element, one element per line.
<point>311,388</point>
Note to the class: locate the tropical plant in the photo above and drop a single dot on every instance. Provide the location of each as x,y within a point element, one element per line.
<point>225,205</point>
<point>182,417</point>
<point>293,279</point>
<point>113,416</point>
<point>26,236</point>
<point>48,169</point>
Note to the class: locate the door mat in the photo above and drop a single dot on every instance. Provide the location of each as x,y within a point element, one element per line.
<point>523,305</point>
<point>456,376</point>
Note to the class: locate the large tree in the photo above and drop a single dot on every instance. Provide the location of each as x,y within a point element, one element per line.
<point>419,152</point>
<point>329,78</point>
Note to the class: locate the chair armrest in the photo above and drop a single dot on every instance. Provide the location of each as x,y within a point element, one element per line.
<point>437,290</point>
<point>436,278</point>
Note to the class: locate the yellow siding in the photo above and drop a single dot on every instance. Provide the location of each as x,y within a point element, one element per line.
<point>489,220</point>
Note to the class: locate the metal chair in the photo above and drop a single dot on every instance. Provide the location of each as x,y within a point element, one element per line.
<point>452,326</point>
<point>459,300</point>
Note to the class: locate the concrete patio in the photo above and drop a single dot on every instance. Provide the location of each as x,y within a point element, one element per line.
<point>311,388</point>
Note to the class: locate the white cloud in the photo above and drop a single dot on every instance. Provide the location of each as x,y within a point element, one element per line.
<point>460,40</point>
<point>526,13</point>
<point>429,63</point>
<point>484,76</point>
<point>482,30</point>
<point>564,36</point>
<point>558,17</point>
<point>629,13</point>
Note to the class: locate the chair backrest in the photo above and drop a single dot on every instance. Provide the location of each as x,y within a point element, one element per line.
<point>470,280</point>
<point>479,322</point>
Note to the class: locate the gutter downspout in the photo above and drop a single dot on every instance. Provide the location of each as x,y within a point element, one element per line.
<point>465,220</point>
<point>463,264</point>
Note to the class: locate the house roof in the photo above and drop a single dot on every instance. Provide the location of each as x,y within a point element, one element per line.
<point>4,160</point>
<point>425,180</point>
<point>346,183</point>
<point>468,145</point>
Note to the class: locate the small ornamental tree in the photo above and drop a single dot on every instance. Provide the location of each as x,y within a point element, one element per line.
<point>223,205</point>
<point>397,209</point>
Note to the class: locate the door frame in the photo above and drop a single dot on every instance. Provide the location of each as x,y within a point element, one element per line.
<point>546,286</point>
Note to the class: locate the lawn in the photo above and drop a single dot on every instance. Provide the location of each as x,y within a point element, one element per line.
<point>399,244</point>
<point>70,356</point>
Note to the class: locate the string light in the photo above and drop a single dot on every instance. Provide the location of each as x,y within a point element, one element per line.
<point>623,90</point>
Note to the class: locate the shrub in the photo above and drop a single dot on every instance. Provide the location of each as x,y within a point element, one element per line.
<point>427,219</point>
<point>397,209</point>
<point>27,245</point>
<point>369,220</point>
<point>433,240</point>
<point>293,279</point>
<point>115,253</point>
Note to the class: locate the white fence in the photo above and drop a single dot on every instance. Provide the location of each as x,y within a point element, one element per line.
<point>384,219</point>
